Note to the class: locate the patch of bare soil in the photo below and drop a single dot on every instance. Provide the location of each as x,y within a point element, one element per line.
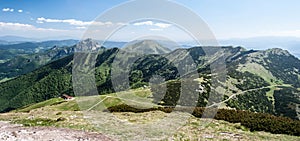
<point>14,132</point>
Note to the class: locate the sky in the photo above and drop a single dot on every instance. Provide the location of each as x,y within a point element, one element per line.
<point>227,19</point>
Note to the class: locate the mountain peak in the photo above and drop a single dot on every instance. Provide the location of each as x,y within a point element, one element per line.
<point>87,45</point>
<point>149,42</point>
<point>147,47</point>
<point>278,51</point>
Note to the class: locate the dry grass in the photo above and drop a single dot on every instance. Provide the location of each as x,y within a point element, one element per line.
<point>154,125</point>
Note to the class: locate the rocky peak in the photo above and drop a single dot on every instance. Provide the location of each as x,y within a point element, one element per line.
<point>278,51</point>
<point>87,45</point>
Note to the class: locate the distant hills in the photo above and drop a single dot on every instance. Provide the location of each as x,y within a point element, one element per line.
<point>266,81</point>
<point>32,47</point>
<point>25,63</point>
<point>21,58</point>
<point>10,38</point>
<point>257,43</point>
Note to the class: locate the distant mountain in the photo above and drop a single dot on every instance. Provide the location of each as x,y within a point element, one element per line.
<point>88,45</point>
<point>23,58</point>
<point>3,42</point>
<point>260,43</point>
<point>44,45</point>
<point>16,39</point>
<point>25,46</point>
<point>20,58</point>
<point>32,47</point>
<point>22,64</point>
<point>58,43</point>
<point>113,44</point>
<point>146,47</point>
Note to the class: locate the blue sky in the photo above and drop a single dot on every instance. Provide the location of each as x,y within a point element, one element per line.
<point>226,18</point>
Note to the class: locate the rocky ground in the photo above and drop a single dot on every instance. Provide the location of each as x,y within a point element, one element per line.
<point>14,132</point>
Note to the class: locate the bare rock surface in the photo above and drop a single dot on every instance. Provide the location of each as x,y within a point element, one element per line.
<point>14,132</point>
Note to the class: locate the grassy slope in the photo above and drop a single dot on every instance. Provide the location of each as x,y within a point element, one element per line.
<point>59,113</point>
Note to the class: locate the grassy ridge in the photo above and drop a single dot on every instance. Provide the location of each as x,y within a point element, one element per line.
<point>253,121</point>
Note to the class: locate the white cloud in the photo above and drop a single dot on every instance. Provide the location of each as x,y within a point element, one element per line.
<point>5,9</point>
<point>20,26</point>
<point>73,22</point>
<point>162,25</point>
<point>31,31</point>
<point>69,21</point>
<point>80,27</point>
<point>156,29</point>
<point>16,25</point>
<point>150,23</point>
<point>8,10</point>
<point>144,23</point>
<point>121,24</point>
<point>20,10</point>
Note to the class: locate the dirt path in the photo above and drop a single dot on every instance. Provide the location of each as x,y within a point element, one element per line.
<point>240,93</point>
<point>13,132</point>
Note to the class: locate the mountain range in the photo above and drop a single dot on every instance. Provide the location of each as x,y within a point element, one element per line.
<point>266,81</point>
<point>259,43</point>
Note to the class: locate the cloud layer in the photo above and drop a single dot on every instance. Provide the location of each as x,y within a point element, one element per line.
<point>23,27</point>
<point>11,10</point>
<point>74,22</point>
<point>151,23</point>
<point>7,10</point>
<point>27,30</point>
